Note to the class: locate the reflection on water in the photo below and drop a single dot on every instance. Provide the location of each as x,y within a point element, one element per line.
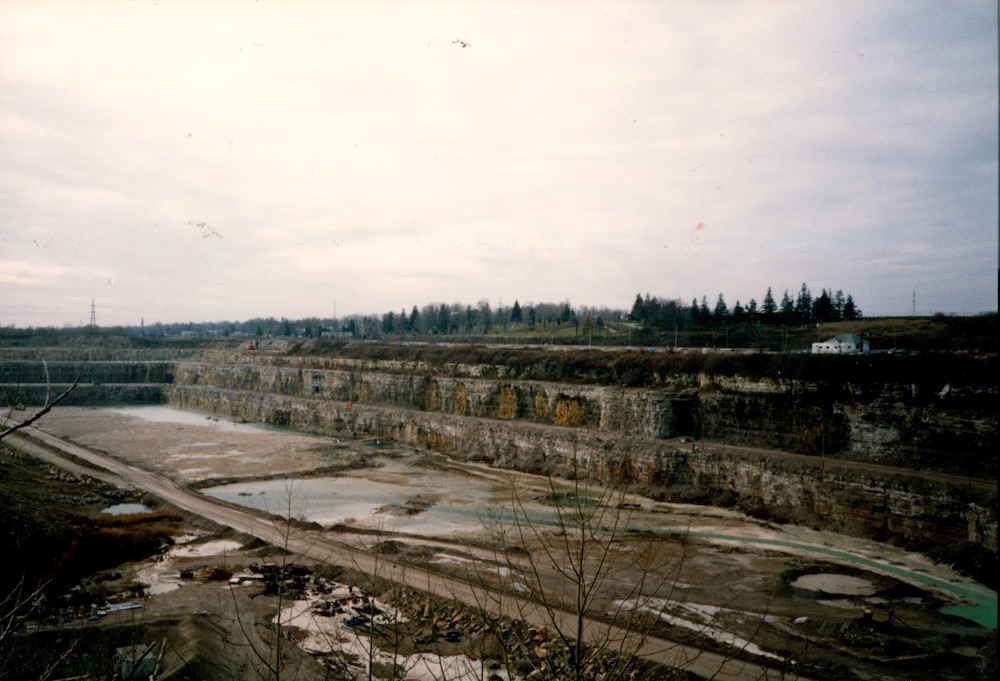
<point>126,509</point>
<point>402,498</point>
<point>165,414</point>
<point>833,583</point>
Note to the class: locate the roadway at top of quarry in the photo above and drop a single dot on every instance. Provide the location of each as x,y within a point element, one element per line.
<point>785,598</point>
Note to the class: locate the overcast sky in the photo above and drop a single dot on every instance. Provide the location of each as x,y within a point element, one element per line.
<point>182,161</point>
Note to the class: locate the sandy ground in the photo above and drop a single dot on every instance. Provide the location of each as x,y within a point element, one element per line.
<point>781,605</point>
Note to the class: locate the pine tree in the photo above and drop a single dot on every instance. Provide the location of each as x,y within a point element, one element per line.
<point>769,308</point>
<point>850,310</point>
<point>803,304</point>
<point>787,308</point>
<point>822,310</point>
<point>721,309</point>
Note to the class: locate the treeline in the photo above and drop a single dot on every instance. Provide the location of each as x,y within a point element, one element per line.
<point>650,321</point>
<point>434,319</point>
<point>805,308</point>
<point>481,319</point>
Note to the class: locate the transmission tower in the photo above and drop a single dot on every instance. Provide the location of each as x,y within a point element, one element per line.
<point>914,302</point>
<point>93,314</point>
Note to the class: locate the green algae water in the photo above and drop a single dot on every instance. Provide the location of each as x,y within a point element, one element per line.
<point>980,602</point>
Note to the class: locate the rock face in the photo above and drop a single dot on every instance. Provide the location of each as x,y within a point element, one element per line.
<point>647,413</point>
<point>923,426</point>
<point>507,416</point>
<point>99,383</point>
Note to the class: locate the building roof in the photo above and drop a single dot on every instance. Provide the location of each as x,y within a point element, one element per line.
<point>844,339</point>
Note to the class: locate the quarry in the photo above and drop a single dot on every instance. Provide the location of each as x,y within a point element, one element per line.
<point>769,515</point>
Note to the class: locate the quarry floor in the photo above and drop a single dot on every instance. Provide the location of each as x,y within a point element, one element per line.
<point>716,577</point>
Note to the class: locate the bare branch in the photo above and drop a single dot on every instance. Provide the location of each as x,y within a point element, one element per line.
<point>49,403</point>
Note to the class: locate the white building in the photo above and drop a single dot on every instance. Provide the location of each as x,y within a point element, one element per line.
<point>844,344</point>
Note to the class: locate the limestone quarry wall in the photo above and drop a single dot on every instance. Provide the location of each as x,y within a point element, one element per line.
<point>88,394</point>
<point>888,508</point>
<point>22,372</point>
<point>927,425</point>
<point>918,426</point>
<point>648,413</point>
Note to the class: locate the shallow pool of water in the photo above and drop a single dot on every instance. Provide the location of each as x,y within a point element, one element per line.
<point>832,583</point>
<point>159,413</point>
<point>396,497</point>
<point>126,509</point>
<point>980,602</point>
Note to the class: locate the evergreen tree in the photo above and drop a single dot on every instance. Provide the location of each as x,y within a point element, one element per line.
<point>838,305</point>
<point>822,310</point>
<point>851,312</point>
<point>669,314</point>
<point>803,304</point>
<point>515,313</point>
<point>721,311</point>
<point>566,314</point>
<point>769,308</point>
<point>638,309</point>
<point>704,315</point>
<point>787,309</point>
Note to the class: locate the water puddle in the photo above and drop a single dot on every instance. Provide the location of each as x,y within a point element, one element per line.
<point>163,414</point>
<point>396,497</point>
<point>219,547</point>
<point>977,603</point>
<point>126,509</point>
<point>163,575</point>
<point>832,583</point>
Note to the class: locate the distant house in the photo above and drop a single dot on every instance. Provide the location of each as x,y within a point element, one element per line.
<point>844,344</point>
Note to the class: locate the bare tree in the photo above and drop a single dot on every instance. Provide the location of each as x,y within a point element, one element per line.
<point>275,658</point>
<point>8,417</point>
<point>599,585</point>
<point>577,562</point>
<point>383,623</point>
<point>21,600</point>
